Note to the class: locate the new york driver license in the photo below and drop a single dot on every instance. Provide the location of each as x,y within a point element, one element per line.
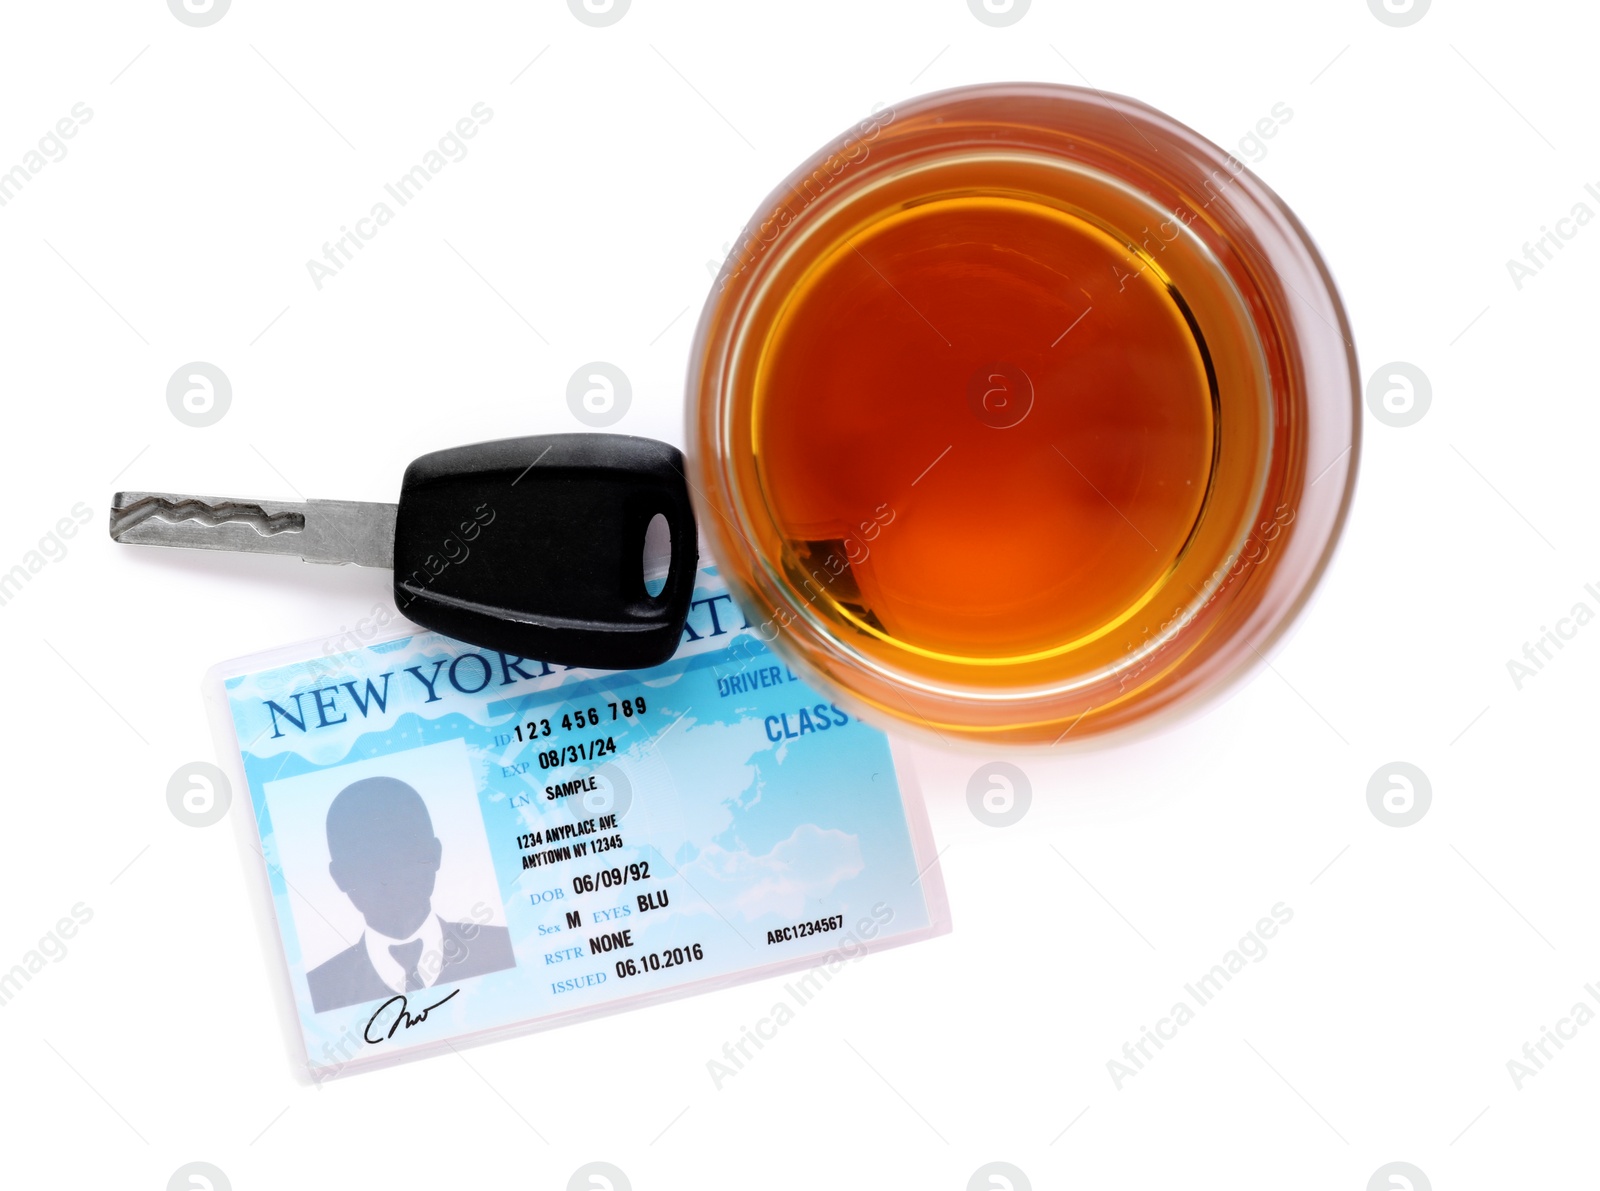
<point>461,843</point>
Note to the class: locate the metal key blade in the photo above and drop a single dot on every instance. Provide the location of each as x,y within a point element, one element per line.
<point>328,531</point>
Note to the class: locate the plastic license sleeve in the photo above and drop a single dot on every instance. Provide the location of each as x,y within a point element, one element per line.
<point>455,845</point>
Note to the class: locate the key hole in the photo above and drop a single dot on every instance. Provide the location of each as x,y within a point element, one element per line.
<point>657,554</point>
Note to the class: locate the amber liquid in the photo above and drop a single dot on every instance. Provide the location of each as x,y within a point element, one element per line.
<point>1001,415</point>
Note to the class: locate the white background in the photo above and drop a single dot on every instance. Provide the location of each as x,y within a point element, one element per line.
<point>1419,960</point>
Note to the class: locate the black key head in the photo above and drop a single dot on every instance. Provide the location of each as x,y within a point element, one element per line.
<point>535,546</point>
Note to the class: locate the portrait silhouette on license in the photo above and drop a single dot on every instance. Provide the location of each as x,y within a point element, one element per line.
<point>384,856</point>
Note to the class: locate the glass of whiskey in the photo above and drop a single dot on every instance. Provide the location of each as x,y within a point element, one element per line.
<point>1022,412</point>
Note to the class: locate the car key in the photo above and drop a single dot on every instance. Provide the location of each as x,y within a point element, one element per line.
<point>533,546</point>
